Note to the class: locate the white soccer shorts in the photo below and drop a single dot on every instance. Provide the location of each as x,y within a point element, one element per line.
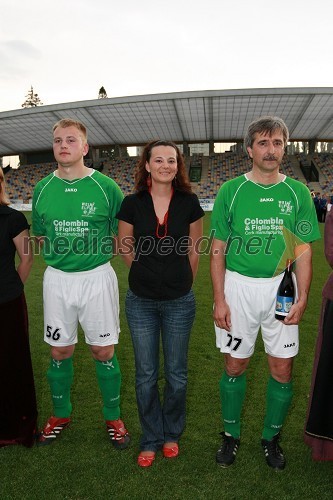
<point>252,306</point>
<point>90,298</point>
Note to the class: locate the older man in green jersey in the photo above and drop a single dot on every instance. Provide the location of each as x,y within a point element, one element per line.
<point>73,216</point>
<point>259,220</point>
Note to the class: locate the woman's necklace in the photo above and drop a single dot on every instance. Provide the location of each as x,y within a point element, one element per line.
<point>160,232</point>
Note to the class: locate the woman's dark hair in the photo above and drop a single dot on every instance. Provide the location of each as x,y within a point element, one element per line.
<point>4,200</point>
<point>180,182</point>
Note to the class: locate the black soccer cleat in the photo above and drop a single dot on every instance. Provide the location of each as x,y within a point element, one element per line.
<point>226,454</point>
<point>273,453</point>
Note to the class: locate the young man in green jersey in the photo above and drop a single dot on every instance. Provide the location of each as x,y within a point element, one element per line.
<point>259,220</point>
<point>73,217</point>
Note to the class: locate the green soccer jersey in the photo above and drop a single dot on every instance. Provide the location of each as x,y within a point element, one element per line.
<point>262,224</point>
<point>77,219</point>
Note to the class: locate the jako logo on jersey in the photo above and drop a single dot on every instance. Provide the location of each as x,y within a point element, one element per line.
<point>266,199</point>
<point>70,190</point>
<point>289,345</point>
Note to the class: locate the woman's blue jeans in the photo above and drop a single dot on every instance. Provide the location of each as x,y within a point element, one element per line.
<point>147,320</point>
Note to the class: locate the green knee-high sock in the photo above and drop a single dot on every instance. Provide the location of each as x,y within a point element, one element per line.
<point>232,393</point>
<point>60,377</point>
<point>109,381</point>
<point>278,400</point>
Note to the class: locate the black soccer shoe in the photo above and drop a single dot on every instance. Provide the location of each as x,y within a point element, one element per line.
<point>226,454</point>
<point>273,453</point>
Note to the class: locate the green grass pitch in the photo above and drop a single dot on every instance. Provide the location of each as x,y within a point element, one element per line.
<point>83,465</point>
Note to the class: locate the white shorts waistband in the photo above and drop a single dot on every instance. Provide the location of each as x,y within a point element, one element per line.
<point>249,279</point>
<point>96,270</point>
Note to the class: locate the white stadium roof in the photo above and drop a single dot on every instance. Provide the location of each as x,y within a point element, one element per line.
<point>201,116</point>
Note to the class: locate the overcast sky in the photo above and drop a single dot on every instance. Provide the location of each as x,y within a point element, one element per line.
<point>68,50</point>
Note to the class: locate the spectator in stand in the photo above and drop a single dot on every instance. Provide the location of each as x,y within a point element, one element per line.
<point>316,199</point>
<point>322,208</point>
<point>18,410</point>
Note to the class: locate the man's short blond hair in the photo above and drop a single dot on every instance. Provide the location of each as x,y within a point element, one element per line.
<point>68,122</point>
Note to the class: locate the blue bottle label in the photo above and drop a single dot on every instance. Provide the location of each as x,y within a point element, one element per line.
<point>283,305</point>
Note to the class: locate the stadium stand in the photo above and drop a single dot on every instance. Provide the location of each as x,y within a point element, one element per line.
<point>225,166</point>
<point>215,170</point>
<point>21,181</point>
<point>324,164</point>
<point>195,171</point>
<point>122,171</point>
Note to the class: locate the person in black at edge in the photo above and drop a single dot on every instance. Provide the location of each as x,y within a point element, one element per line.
<point>319,422</point>
<point>18,409</point>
